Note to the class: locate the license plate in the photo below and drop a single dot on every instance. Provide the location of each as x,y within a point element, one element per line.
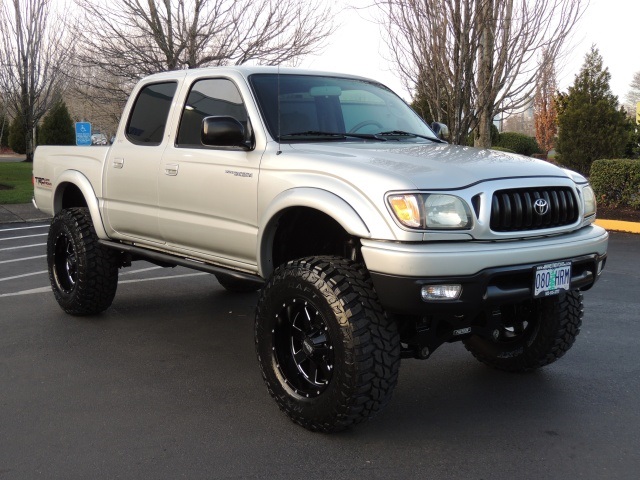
<point>551,279</point>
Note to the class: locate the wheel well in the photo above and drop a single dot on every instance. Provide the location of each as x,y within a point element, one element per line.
<point>302,232</point>
<point>71,196</point>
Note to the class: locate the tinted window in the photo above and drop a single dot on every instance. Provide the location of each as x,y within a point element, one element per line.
<point>293,105</point>
<point>149,115</point>
<point>209,98</point>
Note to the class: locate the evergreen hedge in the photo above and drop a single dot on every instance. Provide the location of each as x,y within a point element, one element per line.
<point>616,183</point>
<point>57,127</point>
<point>502,149</point>
<point>4,140</point>
<point>17,139</point>
<point>495,135</point>
<point>519,143</point>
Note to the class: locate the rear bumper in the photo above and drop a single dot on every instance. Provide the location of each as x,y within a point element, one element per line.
<point>490,273</point>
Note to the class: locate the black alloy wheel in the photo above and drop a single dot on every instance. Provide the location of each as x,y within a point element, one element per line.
<point>533,334</point>
<point>303,350</point>
<point>65,263</point>
<point>83,273</point>
<point>328,354</point>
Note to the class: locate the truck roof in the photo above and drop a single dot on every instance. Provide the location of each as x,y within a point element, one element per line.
<point>245,71</point>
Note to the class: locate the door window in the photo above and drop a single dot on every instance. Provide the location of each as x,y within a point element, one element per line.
<point>211,97</point>
<point>149,114</point>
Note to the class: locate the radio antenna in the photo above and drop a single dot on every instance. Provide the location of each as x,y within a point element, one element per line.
<point>279,149</point>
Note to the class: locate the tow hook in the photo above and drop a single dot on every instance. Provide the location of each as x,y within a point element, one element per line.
<point>423,353</point>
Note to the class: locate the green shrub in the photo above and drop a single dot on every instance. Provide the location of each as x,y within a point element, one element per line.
<point>590,123</point>
<point>4,128</point>
<point>616,183</point>
<point>519,143</point>
<point>495,135</point>
<point>502,149</point>
<point>17,139</point>
<point>57,127</point>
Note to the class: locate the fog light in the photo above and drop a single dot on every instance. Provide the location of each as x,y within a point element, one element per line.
<point>441,292</point>
<point>600,267</point>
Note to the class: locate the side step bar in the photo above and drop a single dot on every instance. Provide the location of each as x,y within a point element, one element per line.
<point>172,261</point>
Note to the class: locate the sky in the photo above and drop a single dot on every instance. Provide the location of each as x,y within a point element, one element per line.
<point>612,25</point>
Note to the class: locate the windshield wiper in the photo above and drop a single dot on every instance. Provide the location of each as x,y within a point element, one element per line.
<point>336,135</point>
<point>402,133</point>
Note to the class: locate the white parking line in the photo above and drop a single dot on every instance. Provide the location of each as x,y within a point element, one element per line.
<point>165,278</point>
<point>48,289</point>
<point>45,271</point>
<point>23,275</point>
<point>22,228</point>
<point>23,246</point>
<point>130,272</point>
<point>27,292</point>
<point>26,236</point>
<point>23,259</point>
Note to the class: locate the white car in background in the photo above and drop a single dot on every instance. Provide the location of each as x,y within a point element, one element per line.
<point>99,139</point>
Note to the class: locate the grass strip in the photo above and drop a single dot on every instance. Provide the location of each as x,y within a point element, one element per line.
<point>15,182</point>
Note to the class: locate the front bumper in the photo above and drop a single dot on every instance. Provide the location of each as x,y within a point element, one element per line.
<point>490,273</point>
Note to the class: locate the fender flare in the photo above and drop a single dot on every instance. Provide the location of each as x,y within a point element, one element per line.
<point>315,198</point>
<point>77,179</point>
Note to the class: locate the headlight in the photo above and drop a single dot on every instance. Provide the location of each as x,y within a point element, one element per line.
<point>431,211</point>
<point>589,199</point>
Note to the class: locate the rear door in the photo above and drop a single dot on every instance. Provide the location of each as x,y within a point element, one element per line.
<point>131,173</point>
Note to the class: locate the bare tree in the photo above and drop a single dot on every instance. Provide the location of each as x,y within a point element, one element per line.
<point>470,60</point>
<point>633,95</point>
<point>544,110</point>
<point>97,97</point>
<point>33,54</point>
<point>432,44</point>
<point>134,38</point>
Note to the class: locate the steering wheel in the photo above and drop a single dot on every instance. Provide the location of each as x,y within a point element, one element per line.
<point>363,124</point>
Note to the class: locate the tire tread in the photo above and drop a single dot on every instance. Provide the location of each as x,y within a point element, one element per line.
<point>375,342</point>
<point>97,266</point>
<point>560,319</point>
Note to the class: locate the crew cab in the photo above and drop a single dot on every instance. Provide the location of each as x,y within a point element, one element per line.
<point>369,237</point>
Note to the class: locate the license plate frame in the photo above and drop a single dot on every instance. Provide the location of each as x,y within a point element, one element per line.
<point>551,279</point>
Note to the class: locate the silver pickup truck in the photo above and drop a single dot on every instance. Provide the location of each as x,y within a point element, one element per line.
<point>369,237</point>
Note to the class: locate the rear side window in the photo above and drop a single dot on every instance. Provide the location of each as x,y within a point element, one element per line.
<point>149,115</point>
<point>211,97</point>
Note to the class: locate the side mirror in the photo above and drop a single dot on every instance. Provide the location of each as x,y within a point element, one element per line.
<point>441,130</point>
<point>222,132</point>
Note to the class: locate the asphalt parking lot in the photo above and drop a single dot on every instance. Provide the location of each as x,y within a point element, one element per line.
<point>165,384</point>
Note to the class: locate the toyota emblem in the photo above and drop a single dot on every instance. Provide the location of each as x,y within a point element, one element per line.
<point>541,206</point>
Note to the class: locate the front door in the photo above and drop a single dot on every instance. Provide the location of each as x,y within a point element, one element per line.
<point>208,196</point>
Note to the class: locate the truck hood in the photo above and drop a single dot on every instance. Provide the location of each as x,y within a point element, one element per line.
<point>431,165</point>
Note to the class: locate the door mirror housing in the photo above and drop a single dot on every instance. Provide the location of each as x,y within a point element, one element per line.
<point>441,130</point>
<point>223,132</point>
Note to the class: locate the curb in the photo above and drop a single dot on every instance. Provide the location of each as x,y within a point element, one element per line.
<point>619,226</point>
<point>21,213</point>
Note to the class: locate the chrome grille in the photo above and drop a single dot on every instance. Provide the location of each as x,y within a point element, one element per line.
<point>515,209</point>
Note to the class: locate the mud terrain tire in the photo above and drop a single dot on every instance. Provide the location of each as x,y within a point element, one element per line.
<point>328,354</point>
<point>83,274</point>
<point>534,335</point>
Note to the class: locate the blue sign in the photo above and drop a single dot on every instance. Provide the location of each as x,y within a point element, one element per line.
<point>83,133</point>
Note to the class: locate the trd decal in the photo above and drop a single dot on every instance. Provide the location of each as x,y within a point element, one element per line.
<point>42,182</point>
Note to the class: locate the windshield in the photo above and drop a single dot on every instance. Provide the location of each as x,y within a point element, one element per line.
<point>314,107</point>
